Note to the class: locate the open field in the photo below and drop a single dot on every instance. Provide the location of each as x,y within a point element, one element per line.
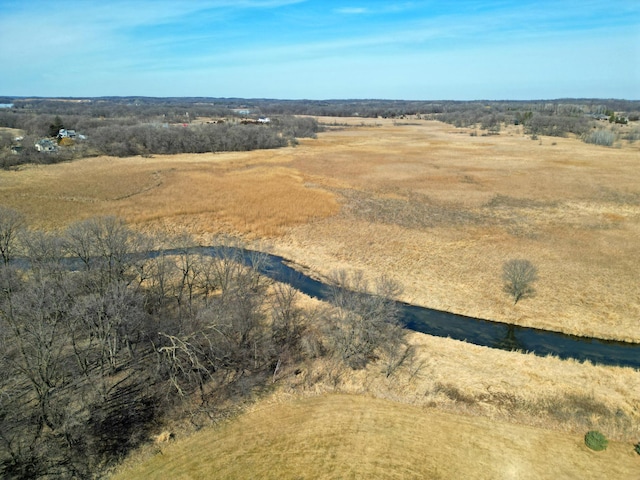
<point>344,436</point>
<point>11,131</point>
<point>453,411</point>
<point>440,211</point>
<point>432,206</point>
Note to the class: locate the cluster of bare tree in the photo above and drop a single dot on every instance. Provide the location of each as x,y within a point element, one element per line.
<point>139,131</point>
<point>364,323</point>
<point>478,116</point>
<point>154,139</point>
<point>141,125</point>
<point>556,120</point>
<point>102,335</point>
<point>558,125</point>
<point>226,137</point>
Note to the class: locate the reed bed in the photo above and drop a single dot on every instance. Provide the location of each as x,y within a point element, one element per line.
<point>426,203</point>
<point>440,211</point>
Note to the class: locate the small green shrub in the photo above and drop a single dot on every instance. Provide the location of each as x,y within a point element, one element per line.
<point>637,448</point>
<point>596,440</point>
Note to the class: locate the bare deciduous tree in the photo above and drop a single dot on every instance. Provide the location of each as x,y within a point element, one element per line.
<point>11,222</point>
<point>109,251</point>
<point>83,312</point>
<point>227,334</point>
<point>518,276</point>
<point>365,324</point>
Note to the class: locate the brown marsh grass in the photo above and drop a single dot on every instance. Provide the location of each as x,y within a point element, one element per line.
<point>200,194</point>
<point>347,436</point>
<point>426,203</point>
<point>15,132</point>
<point>440,211</point>
<point>451,410</point>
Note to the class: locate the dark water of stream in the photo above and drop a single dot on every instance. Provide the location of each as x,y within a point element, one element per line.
<point>473,330</point>
<point>477,331</point>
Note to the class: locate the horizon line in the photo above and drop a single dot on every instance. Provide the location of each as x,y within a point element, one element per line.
<point>362,99</point>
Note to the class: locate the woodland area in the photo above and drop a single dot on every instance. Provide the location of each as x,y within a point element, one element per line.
<point>127,126</point>
<point>138,129</point>
<point>105,337</point>
<point>103,342</point>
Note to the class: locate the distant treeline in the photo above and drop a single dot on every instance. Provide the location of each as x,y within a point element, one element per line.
<point>131,140</point>
<point>175,109</point>
<point>126,126</point>
<point>556,119</point>
<point>114,128</point>
<point>124,141</point>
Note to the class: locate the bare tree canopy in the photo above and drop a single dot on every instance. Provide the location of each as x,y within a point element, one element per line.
<point>364,325</point>
<point>102,336</point>
<point>518,276</point>
<point>11,222</point>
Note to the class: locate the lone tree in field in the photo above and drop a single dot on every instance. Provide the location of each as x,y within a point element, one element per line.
<point>518,275</point>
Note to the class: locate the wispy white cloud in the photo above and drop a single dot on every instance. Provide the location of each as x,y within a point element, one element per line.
<point>375,8</point>
<point>100,30</point>
<point>352,10</point>
<point>90,42</point>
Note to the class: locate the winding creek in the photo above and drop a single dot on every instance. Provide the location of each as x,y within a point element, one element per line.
<point>472,330</point>
<point>486,333</point>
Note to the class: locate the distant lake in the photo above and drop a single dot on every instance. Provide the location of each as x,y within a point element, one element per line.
<point>6,105</point>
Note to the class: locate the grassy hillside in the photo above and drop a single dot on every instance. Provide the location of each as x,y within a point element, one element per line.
<point>349,436</point>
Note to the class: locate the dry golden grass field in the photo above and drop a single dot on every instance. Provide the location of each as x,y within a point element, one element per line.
<point>426,203</point>
<point>454,411</point>
<point>440,211</point>
<point>359,437</point>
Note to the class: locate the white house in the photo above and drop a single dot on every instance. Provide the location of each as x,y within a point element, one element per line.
<point>64,133</point>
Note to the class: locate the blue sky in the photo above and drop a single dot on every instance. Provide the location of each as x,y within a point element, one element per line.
<point>293,49</point>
